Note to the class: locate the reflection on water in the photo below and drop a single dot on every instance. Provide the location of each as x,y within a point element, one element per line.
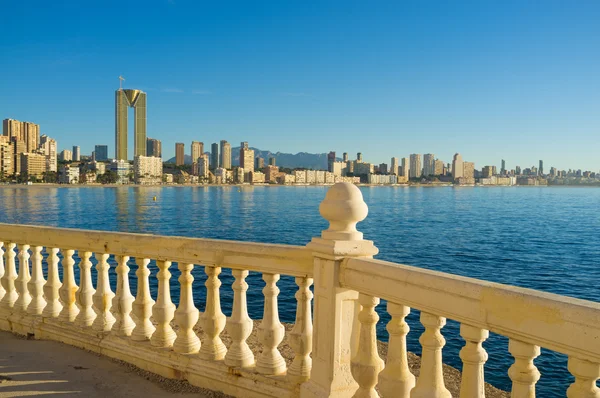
<point>542,238</point>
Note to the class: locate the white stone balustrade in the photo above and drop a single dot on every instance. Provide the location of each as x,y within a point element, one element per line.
<point>334,356</point>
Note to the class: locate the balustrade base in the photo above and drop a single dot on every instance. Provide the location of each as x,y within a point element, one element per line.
<point>213,375</point>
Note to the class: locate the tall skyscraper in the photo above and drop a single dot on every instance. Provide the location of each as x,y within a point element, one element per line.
<point>330,161</point>
<point>439,168</point>
<point>359,157</point>
<point>415,166</point>
<point>503,167</point>
<point>197,150</point>
<point>429,164</point>
<point>214,156</point>
<point>405,167</point>
<point>76,153</point>
<point>179,154</point>
<point>259,163</point>
<point>345,158</point>
<point>541,168</point>
<point>27,132</point>
<point>226,155</point>
<point>153,147</point>
<point>457,166</point>
<point>48,147</point>
<point>125,98</point>
<point>246,158</point>
<point>469,170</point>
<point>102,152</point>
<point>394,166</point>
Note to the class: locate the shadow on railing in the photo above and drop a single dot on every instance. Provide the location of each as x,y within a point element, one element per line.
<point>52,299</point>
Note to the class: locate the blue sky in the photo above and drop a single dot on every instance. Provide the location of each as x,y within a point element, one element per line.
<point>518,80</point>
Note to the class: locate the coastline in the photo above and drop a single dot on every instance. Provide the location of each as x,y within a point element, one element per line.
<point>52,185</point>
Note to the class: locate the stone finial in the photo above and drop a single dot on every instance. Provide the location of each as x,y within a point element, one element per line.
<point>343,207</point>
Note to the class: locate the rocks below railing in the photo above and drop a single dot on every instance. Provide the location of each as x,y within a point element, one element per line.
<point>452,376</point>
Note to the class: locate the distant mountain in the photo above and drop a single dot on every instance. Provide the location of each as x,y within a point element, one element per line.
<point>317,161</point>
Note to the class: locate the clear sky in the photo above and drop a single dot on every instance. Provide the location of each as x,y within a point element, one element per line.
<point>518,80</point>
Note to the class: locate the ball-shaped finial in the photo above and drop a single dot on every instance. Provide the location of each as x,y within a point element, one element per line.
<point>343,207</point>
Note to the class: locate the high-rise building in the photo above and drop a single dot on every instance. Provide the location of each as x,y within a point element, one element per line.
<point>33,164</point>
<point>76,153</point>
<point>214,156</point>
<point>226,155</point>
<point>65,155</point>
<point>197,150</point>
<point>439,168</point>
<point>19,148</point>
<point>428,164</point>
<point>487,172</point>
<point>405,167</point>
<point>246,158</point>
<point>125,98</point>
<point>415,166</point>
<point>394,166</point>
<point>503,167</point>
<point>518,170</point>
<point>259,163</point>
<point>359,157</point>
<point>272,161</point>
<point>147,170</point>
<point>27,132</point>
<point>179,154</point>
<point>31,132</point>
<point>541,168</point>
<point>330,161</point>
<point>469,170</point>
<point>102,152</point>
<point>383,168</point>
<point>153,148</point>
<point>6,158</point>
<point>457,166</point>
<point>203,166</point>
<point>48,148</point>
<point>13,129</point>
<point>345,158</point>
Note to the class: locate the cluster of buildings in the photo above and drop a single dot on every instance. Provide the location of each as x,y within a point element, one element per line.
<point>27,156</point>
<point>24,153</point>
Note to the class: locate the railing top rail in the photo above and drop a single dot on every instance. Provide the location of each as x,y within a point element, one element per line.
<point>563,324</point>
<point>263,257</point>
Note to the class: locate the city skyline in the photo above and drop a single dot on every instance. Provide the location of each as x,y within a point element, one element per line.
<point>418,80</point>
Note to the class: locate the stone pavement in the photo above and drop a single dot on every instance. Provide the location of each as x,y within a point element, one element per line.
<point>37,367</point>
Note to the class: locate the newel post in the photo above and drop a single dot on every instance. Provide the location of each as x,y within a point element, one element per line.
<point>335,333</point>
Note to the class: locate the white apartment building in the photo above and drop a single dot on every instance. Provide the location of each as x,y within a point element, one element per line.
<point>147,170</point>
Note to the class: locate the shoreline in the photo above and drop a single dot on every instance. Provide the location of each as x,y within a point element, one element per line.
<point>52,185</point>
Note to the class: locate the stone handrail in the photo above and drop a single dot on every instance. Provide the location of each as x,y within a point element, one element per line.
<point>563,324</point>
<point>335,357</point>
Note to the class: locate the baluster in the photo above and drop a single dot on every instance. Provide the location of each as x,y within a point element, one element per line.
<point>302,333</point>
<point>36,283</point>
<point>523,372</point>
<point>367,364</point>
<point>52,286</point>
<point>396,380</point>
<point>239,325</point>
<point>143,303</point>
<point>213,319</point>
<point>431,380</point>
<point>164,309</point>
<point>186,314</point>
<point>474,357</point>
<point>123,300</point>
<point>86,291</point>
<point>270,331</point>
<point>8,280</point>
<point>103,297</point>
<point>68,289</point>
<point>2,291</point>
<point>21,282</point>
<point>586,374</point>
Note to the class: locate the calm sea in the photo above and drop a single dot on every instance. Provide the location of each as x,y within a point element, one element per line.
<point>542,238</point>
